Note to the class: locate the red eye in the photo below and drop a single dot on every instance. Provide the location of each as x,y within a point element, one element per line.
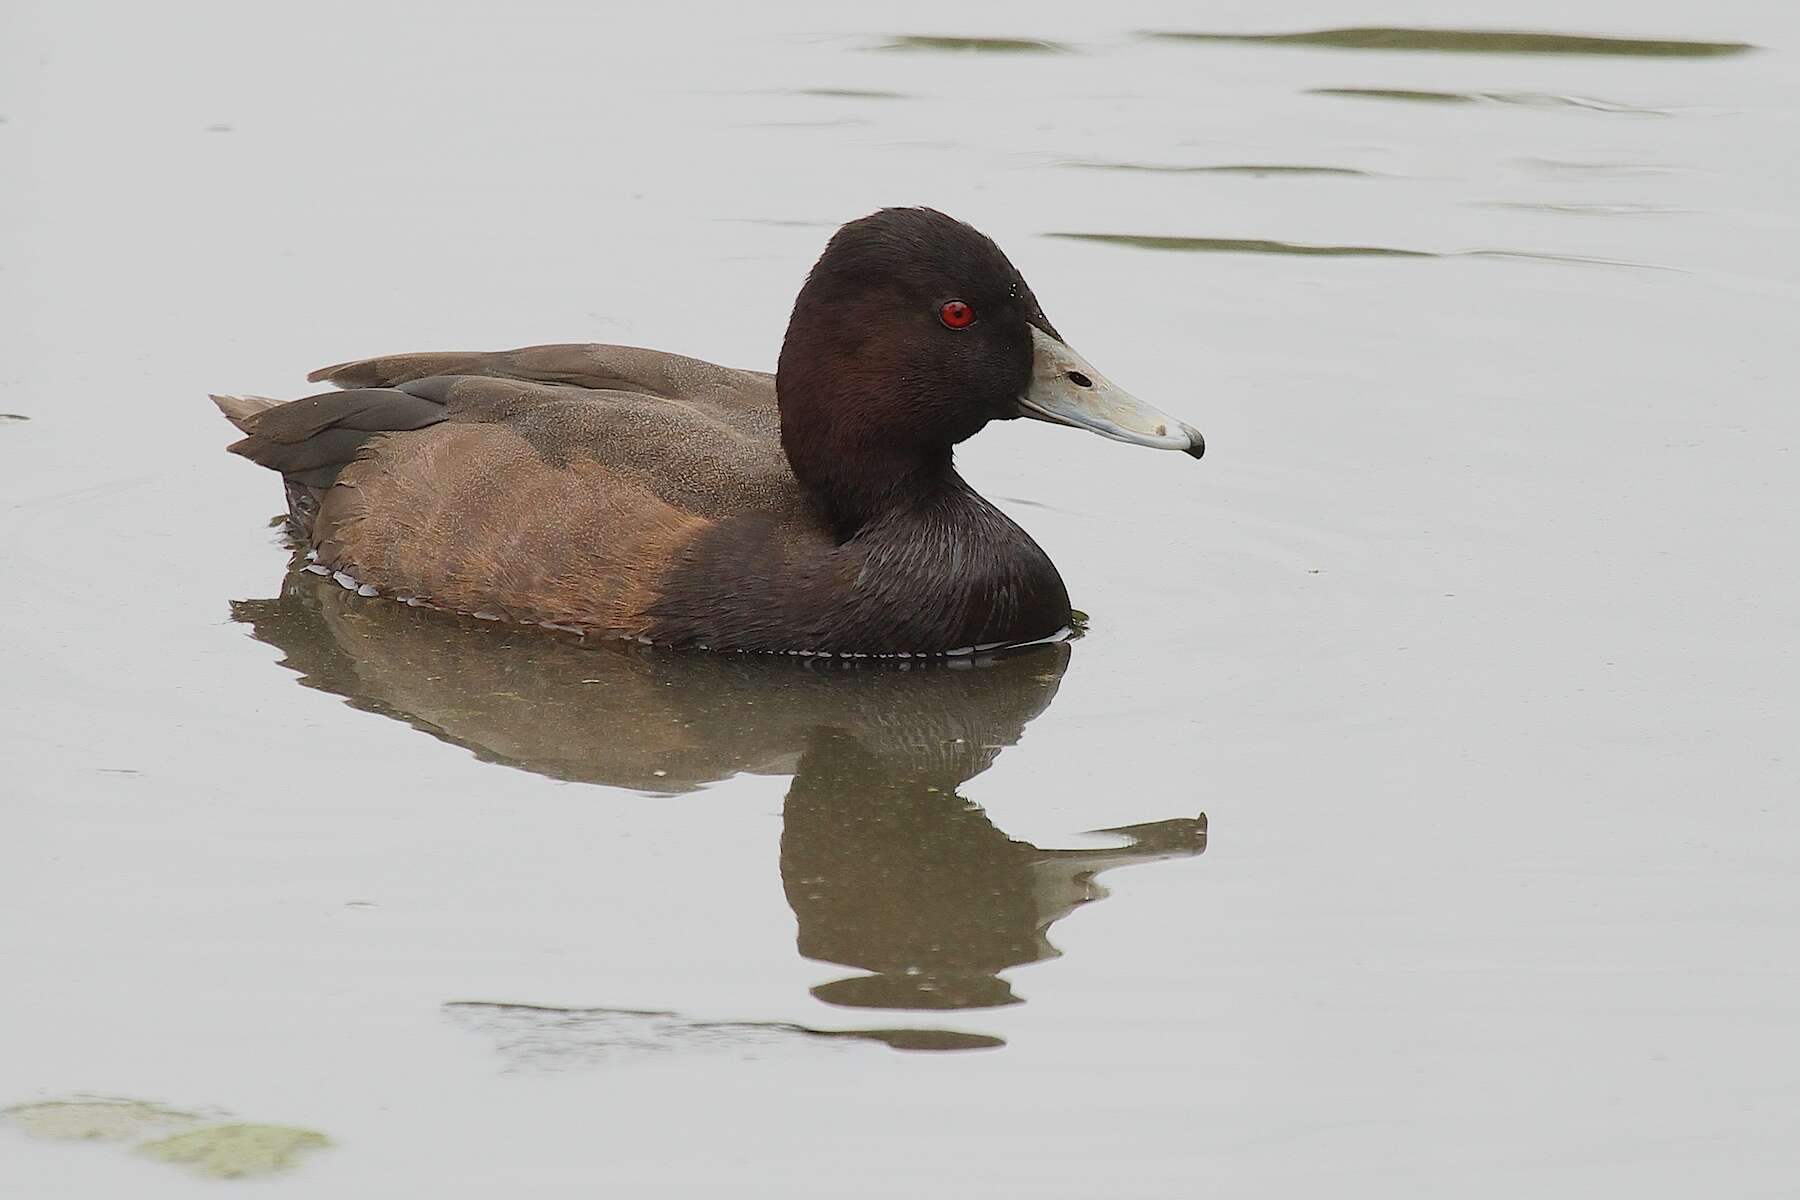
<point>957,315</point>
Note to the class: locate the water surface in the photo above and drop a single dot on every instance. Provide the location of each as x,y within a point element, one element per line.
<point>1411,818</point>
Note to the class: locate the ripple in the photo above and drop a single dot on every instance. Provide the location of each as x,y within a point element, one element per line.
<point>780,222</point>
<point>1257,169</point>
<point>971,45</point>
<point>1469,41</point>
<point>1398,94</point>
<point>544,1037</point>
<point>1587,210</point>
<point>14,417</point>
<point>835,123</point>
<point>1530,99</point>
<point>1573,260</point>
<point>1559,168</point>
<point>846,93</point>
<point>1213,245</point>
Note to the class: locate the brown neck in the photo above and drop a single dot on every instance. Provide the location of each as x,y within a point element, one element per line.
<point>859,490</point>
<point>860,449</point>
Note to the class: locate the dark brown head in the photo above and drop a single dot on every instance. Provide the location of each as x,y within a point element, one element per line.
<point>912,332</point>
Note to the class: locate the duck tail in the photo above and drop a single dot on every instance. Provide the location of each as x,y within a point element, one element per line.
<point>239,409</point>
<point>310,440</point>
<point>303,501</point>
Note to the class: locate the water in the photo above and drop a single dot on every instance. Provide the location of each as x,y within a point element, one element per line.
<point>1438,725</point>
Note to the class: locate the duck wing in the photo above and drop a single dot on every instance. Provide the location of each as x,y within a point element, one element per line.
<point>599,367</point>
<point>552,484</point>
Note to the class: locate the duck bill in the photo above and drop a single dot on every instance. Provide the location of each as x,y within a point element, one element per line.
<point>1066,390</point>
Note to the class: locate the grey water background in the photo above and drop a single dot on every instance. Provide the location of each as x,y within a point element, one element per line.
<point>1473,637</point>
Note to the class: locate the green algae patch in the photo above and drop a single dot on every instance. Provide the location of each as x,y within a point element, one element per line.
<point>98,1119</point>
<point>236,1151</point>
<point>204,1141</point>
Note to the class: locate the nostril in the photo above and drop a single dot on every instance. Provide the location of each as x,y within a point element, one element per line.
<point>1080,380</point>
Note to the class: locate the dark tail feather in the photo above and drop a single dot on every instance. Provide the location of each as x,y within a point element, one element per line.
<point>310,440</point>
<point>239,409</point>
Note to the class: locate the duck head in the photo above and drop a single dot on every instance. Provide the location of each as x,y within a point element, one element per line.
<point>912,332</point>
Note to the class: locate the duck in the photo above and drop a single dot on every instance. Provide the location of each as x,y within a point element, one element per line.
<point>615,490</point>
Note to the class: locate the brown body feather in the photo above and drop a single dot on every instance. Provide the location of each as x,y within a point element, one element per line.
<point>615,489</point>
<point>609,488</point>
<point>552,485</point>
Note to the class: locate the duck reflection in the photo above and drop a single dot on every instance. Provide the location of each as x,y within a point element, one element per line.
<point>887,868</point>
